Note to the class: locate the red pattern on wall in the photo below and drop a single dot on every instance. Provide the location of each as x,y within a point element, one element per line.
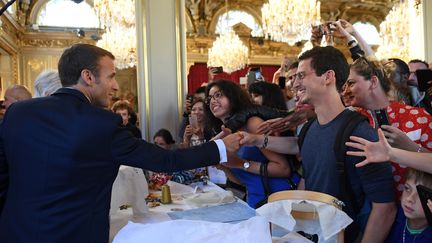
<point>198,74</point>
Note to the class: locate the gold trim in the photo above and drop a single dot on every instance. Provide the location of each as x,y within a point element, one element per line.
<point>146,70</point>
<point>178,44</point>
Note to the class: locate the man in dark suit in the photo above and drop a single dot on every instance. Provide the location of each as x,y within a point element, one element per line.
<point>59,155</point>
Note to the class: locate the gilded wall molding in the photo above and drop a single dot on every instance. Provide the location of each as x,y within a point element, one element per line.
<point>52,43</point>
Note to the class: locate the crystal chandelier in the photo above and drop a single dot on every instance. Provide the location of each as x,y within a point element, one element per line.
<point>229,52</point>
<point>118,18</point>
<point>290,21</point>
<point>394,31</point>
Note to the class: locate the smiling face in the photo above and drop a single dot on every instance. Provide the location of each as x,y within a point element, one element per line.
<point>105,85</point>
<point>219,103</point>
<point>198,111</point>
<point>357,89</point>
<point>307,83</point>
<point>411,203</point>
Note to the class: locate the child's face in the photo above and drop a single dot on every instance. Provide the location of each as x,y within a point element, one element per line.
<point>410,201</point>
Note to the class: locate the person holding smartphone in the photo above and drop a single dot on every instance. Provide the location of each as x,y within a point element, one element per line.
<point>407,127</point>
<point>411,224</point>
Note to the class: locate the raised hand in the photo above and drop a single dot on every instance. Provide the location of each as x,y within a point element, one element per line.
<point>289,122</point>
<point>343,29</point>
<point>268,126</point>
<point>374,152</point>
<point>317,35</point>
<point>225,131</point>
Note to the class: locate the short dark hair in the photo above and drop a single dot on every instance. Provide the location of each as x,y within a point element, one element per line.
<point>401,65</point>
<point>328,58</point>
<point>166,135</point>
<point>200,89</point>
<point>78,57</point>
<point>419,61</point>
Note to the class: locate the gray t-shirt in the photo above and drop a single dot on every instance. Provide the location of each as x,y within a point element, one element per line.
<point>373,181</point>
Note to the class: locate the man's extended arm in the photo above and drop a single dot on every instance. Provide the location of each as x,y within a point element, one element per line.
<point>283,145</point>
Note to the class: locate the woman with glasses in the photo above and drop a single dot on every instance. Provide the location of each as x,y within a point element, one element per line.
<point>408,127</point>
<point>225,98</point>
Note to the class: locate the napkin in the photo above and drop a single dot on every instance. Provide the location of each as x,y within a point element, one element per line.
<point>178,188</point>
<point>255,229</point>
<point>331,219</point>
<point>211,198</point>
<point>129,188</point>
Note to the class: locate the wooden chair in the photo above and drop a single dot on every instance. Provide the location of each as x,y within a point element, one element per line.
<point>307,213</point>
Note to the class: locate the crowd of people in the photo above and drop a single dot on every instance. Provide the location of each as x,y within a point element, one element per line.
<point>373,106</point>
<point>361,132</point>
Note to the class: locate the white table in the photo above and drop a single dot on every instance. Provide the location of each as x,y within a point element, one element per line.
<point>159,213</point>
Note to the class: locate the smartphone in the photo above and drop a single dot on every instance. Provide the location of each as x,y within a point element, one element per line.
<point>282,82</point>
<point>193,121</point>
<point>382,117</point>
<point>218,70</point>
<point>425,193</point>
<point>189,98</point>
<point>258,75</point>
<point>424,76</point>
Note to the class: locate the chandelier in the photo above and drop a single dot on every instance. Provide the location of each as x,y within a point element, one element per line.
<point>290,21</point>
<point>395,29</point>
<point>118,19</point>
<point>228,51</point>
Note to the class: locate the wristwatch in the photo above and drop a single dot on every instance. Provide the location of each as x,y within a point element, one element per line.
<point>246,165</point>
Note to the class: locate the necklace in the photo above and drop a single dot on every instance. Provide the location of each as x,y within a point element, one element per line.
<point>417,232</point>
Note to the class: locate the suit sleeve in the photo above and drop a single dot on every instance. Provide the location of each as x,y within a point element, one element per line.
<point>134,152</point>
<point>4,175</point>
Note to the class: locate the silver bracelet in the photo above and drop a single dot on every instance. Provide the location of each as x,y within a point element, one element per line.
<point>419,148</point>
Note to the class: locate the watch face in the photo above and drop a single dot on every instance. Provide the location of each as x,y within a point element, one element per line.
<point>246,165</point>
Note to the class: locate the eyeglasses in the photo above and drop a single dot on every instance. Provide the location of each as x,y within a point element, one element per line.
<point>216,96</point>
<point>301,75</point>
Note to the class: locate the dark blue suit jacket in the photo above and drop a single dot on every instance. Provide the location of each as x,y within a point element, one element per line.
<point>59,156</point>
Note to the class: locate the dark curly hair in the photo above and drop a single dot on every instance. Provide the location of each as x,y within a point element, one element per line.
<point>237,97</point>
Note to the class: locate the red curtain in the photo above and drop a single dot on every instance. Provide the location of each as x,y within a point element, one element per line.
<point>198,74</point>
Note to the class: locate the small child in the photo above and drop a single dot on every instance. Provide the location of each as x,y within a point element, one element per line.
<point>411,224</point>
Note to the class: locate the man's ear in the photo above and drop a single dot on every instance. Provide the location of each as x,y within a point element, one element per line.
<point>87,77</point>
<point>330,76</point>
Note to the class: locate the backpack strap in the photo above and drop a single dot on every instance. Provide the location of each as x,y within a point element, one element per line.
<point>302,134</point>
<point>345,131</point>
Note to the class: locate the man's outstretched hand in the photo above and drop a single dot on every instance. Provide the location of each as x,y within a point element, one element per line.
<point>232,141</point>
